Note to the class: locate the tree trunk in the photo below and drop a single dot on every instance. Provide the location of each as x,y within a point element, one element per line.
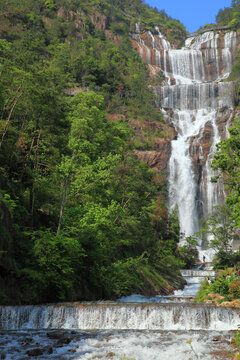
<point>9,117</point>
<point>63,202</point>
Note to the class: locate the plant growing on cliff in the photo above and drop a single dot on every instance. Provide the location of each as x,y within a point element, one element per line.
<point>227,162</point>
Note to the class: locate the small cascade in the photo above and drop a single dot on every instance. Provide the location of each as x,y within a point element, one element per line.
<point>119,317</point>
<point>198,273</point>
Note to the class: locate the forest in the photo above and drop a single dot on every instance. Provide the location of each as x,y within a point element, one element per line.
<point>81,218</point>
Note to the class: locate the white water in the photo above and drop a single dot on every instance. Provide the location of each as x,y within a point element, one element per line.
<point>161,329</point>
<point>112,316</point>
<point>140,331</point>
<point>193,105</point>
<point>196,104</point>
<point>137,345</point>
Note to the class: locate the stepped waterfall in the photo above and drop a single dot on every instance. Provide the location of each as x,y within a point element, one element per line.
<point>198,103</point>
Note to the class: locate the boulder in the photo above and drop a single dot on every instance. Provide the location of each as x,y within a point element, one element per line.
<point>35,352</point>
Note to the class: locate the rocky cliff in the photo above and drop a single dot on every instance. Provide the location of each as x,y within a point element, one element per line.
<point>198,103</point>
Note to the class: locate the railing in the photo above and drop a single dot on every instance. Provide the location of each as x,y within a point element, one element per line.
<point>213,28</point>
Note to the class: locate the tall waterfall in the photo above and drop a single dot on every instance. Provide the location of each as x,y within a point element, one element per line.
<point>199,105</point>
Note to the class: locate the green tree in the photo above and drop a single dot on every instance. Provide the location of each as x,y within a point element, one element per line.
<point>227,161</point>
<point>224,16</point>
<point>91,141</point>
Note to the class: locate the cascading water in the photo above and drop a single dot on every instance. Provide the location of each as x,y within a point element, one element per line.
<point>198,104</point>
<point>194,102</point>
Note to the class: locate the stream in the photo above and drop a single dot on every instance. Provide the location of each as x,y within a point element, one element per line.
<point>135,327</point>
<point>199,105</point>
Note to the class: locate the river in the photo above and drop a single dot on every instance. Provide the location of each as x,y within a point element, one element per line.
<point>135,327</point>
<point>199,106</point>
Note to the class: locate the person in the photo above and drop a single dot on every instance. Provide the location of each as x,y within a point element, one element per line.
<point>204,258</point>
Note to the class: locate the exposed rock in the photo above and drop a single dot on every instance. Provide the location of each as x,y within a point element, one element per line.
<point>116,117</point>
<point>73,351</point>
<point>49,349</point>
<point>99,20</point>
<point>76,90</point>
<point>156,160</point>
<point>64,340</point>
<point>234,303</point>
<point>221,354</point>
<point>217,338</point>
<point>35,352</point>
<point>56,334</point>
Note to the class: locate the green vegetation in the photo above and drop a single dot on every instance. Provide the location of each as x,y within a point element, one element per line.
<point>236,343</point>
<point>78,210</point>
<point>227,161</point>
<point>223,225</point>
<point>221,229</point>
<point>224,288</point>
<point>230,15</point>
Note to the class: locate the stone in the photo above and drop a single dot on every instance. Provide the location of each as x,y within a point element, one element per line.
<point>49,349</point>
<point>35,352</point>
<point>56,334</point>
<point>64,340</point>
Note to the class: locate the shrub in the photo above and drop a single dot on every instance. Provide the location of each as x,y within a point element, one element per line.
<point>234,290</point>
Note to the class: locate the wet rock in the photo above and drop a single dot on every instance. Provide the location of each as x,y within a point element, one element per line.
<point>56,334</point>
<point>35,352</point>
<point>49,349</point>
<point>217,338</point>
<point>64,340</point>
<point>72,351</point>
<point>28,340</point>
<point>221,354</point>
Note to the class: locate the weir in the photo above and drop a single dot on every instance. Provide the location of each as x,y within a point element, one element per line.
<point>161,313</point>
<point>199,106</point>
<point>119,317</point>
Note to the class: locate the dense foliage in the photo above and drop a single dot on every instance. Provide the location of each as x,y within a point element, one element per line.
<point>227,161</point>
<point>81,217</point>
<point>225,287</point>
<point>230,15</point>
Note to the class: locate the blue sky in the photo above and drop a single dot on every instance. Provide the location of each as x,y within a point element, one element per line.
<point>191,13</point>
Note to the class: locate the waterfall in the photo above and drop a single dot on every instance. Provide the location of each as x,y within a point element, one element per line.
<point>199,105</point>
<point>119,317</point>
<point>195,106</point>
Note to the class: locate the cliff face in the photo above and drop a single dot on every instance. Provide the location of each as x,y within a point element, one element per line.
<point>157,156</point>
<point>210,55</point>
<point>199,104</point>
<point>206,57</point>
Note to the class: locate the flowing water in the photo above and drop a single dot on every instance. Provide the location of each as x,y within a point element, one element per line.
<point>199,105</point>
<point>164,327</point>
<point>195,103</point>
<point>135,327</point>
